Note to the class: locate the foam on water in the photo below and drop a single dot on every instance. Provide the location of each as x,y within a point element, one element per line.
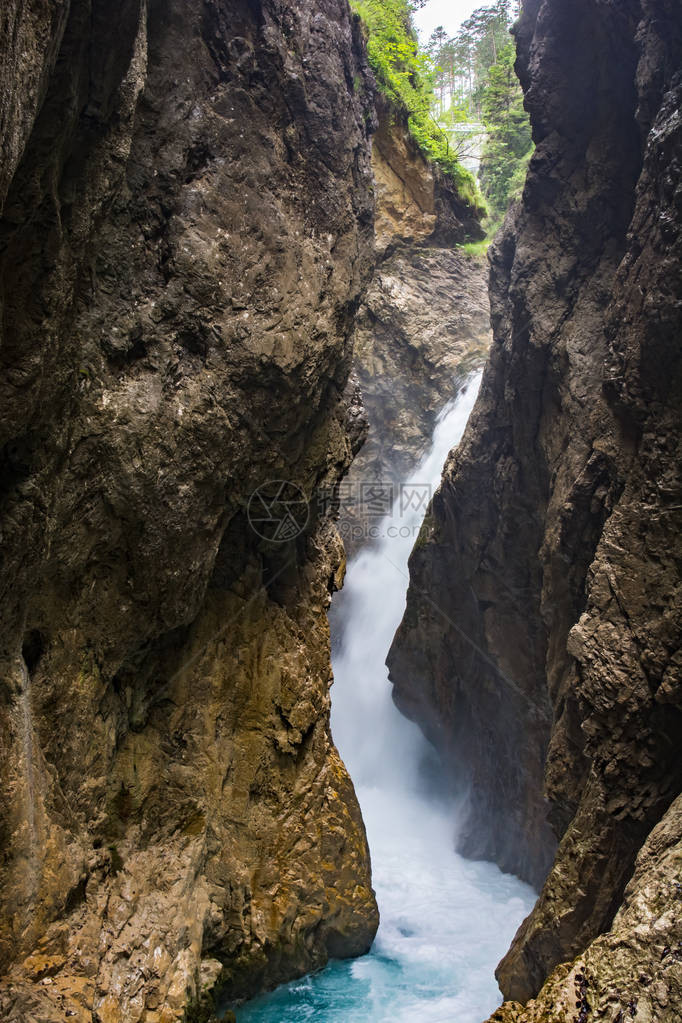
<point>445,921</point>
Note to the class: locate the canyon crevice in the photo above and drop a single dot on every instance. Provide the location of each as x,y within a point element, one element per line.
<point>191,215</point>
<point>540,645</point>
<point>422,328</point>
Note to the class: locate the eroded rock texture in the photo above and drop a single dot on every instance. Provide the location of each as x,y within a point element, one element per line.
<point>424,325</point>
<point>423,328</point>
<point>186,233</point>
<point>547,664</point>
<point>415,201</point>
<point>634,971</point>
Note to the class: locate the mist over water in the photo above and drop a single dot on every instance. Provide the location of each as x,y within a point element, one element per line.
<point>382,749</point>
<point>445,921</point>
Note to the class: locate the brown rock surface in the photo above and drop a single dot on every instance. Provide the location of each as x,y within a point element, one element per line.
<point>415,201</point>
<point>634,971</point>
<point>545,661</point>
<point>186,236</point>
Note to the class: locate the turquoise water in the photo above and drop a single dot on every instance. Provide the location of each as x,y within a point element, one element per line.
<point>445,921</point>
<point>445,924</point>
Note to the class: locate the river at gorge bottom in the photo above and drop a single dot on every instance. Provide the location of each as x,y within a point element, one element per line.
<point>445,921</point>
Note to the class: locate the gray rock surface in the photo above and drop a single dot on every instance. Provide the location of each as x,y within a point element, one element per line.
<point>550,675</point>
<point>634,971</point>
<point>423,328</point>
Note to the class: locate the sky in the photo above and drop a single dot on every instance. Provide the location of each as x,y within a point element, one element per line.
<point>448,13</point>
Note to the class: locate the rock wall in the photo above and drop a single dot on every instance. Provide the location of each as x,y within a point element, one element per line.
<point>186,234</point>
<point>424,324</point>
<point>549,671</point>
<point>415,201</point>
<point>634,971</point>
<point>423,327</point>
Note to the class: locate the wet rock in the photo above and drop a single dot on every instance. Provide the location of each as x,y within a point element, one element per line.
<point>186,235</point>
<point>424,325</point>
<point>543,663</point>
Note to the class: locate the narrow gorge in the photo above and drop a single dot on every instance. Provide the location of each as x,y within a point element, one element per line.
<point>246,317</point>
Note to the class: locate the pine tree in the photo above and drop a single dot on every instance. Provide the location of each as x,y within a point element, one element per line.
<point>509,144</point>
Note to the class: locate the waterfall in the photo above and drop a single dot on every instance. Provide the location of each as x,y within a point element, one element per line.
<point>445,921</point>
<point>386,754</point>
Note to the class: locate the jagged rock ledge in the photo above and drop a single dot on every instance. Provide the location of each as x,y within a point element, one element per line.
<point>416,202</point>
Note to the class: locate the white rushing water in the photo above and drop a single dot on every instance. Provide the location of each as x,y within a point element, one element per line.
<point>445,921</point>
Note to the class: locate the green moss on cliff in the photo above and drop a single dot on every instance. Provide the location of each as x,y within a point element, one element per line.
<point>404,74</point>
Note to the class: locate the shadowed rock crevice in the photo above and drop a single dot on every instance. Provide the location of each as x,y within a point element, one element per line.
<point>551,549</point>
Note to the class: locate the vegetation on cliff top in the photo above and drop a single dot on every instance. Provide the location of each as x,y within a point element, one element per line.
<point>454,89</point>
<point>475,83</point>
<point>405,74</point>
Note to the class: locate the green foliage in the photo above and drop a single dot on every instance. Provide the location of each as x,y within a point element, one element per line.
<point>469,79</point>
<point>509,145</point>
<point>477,250</point>
<point>462,63</point>
<point>475,77</point>
<point>405,74</point>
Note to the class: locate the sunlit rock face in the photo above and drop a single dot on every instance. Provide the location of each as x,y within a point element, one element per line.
<point>415,201</point>
<point>186,235</point>
<point>545,663</point>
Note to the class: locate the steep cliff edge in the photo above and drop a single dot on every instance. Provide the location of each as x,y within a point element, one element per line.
<point>540,646</point>
<point>186,234</point>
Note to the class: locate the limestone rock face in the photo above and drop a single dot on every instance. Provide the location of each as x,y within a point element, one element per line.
<point>415,202</point>
<point>546,666</point>
<point>186,235</point>
<point>424,326</point>
<point>634,971</point>
<point>404,183</point>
